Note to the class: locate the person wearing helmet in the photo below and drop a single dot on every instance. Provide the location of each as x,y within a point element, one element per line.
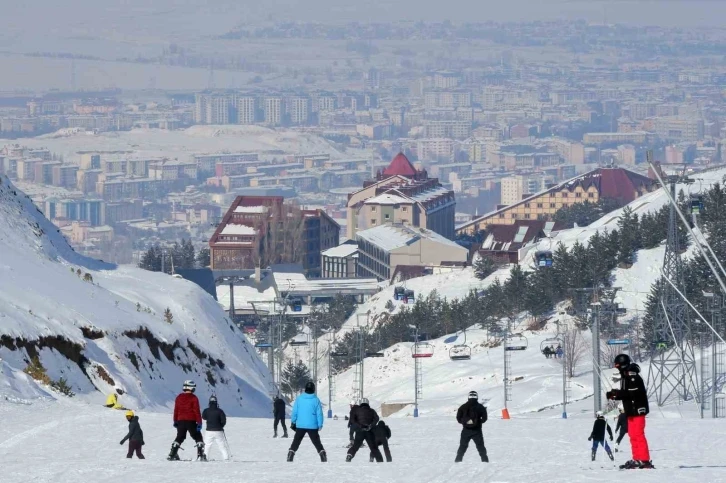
<point>135,436</point>
<point>365,418</point>
<point>622,426</point>
<point>216,421</point>
<point>634,398</point>
<point>307,418</point>
<point>278,411</point>
<point>597,436</point>
<point>187,419</point>
<point>472,415</point>
<point>352,428</point>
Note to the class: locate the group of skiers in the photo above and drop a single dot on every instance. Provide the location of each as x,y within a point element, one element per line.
<point>365,425</point>
<point>550,352</point>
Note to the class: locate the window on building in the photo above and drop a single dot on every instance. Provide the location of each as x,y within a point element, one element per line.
<point>552,194</point>
<point>578,195</point>
<point>404,209</point>
<point>526,205</point>
<point>553,205</point>
<point>526,216</point>
<point>514,216</point>
<point>373,221</point>
<point>564,194</point>
<point>591,195</point>
<point>501,215</point>
<point>387,216</point>
<point>539,205</point>
<point>373,209</point>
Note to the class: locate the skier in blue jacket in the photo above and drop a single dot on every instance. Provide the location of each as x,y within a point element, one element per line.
<point>307,418</point>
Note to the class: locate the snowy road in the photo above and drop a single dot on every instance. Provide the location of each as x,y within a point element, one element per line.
<point>66,442</point>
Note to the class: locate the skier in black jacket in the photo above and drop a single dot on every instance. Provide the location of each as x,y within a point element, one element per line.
<point>622,426</point>
<point>366,419</point>
<point>381,434</point>
<point>216,421</point>
<point>278,411</point>
<point>598,435</point>
<point>471,415</point>
<point>352,429</point>
<point>135,436</point>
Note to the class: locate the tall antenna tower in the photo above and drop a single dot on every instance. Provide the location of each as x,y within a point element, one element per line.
<point>672,375</point>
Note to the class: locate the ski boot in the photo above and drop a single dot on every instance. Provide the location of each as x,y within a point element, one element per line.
<point>371,459</point>
<point>284,435</point>
<point>630,465</point>
<point>174,453</point>
<point>200,452</point>
<point>485,459</point>
<point>458,459</point>
<point>593,454</point>
<point>610,455</point>
<point>290,456</point>
<point>646,465</point>
<point>617,447</point>
<point>348,458</point>
<point>275,435</point>
<point>323,456</point>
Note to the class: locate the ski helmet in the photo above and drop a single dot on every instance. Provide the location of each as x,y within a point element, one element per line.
<point>364,400</point>
<point>310,387</point>
<point>129,414</point>
<point>621,360</point>
<point>473,395</point>
<point>213,399</point>
<point>598,414</point>
<point>190,386</point>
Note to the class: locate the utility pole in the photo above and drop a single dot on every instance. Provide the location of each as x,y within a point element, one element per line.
<point>507,372</point>
<point>330,379</point>
<point>564,376</point>
<point>596,382</point>
<point>416,373</point>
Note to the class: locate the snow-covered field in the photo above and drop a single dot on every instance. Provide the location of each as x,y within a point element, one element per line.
<point>109,333</point>
<point>182,144</point>
<point>66,443</point>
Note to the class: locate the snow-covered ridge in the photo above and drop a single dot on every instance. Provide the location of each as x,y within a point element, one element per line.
<point>102,327</point>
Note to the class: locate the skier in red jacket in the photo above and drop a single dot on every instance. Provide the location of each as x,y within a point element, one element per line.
<point>187,418</point>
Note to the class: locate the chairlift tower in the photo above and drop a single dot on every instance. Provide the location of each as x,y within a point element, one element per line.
<point>672,376</point>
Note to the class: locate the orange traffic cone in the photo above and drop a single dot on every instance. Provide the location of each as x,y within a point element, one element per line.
<point>505,413</point>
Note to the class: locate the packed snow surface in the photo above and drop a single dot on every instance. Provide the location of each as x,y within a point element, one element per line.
<point>102,327</point>
<point>66,443</point>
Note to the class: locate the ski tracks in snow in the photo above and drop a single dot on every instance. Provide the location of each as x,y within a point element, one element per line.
<point>15,440</point>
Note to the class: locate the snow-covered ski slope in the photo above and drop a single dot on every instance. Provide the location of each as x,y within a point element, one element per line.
<point>68,443</point>
<point>111,333</point>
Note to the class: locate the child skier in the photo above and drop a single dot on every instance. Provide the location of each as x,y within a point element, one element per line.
<point>382,433</point>
<point>366,419</point>
<point>135,436</point>
<point>598,435</point>
<point>216,421</point>
<point>622,427</point>
<point>187,419</point>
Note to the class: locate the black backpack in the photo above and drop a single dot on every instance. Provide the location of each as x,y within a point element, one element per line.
<point>472,414</point>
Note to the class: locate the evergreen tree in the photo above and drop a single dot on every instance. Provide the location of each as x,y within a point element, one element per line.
<point>151,260</point>
<point>168,316</point>
<point>188,255</point>
<point>483,267</point>
<point>629,242</point>
<point>294,378</point>
<point>204,257</point>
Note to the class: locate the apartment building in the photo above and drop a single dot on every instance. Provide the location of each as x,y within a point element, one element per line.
<point>382,249</point>
<point>298,109</point>
<point>65,175</point>
<point>677,129</point>
<point>274,108</point>
<point>447,129</point>
<point>246,107</point>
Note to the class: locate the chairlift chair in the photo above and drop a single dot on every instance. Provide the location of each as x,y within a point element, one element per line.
<point>422,350</point>
<point>399,293</point>
<point>516,342</point>
<point>339,354</point>
<point>544,258</point>
<point>409,296</point>
<point>374,354</point>
<point>460,352</point>
<point>299,340</point>
<point>296,305</point>
<point>263,345</point>
<point>696,204</point>
<point>553,342</point>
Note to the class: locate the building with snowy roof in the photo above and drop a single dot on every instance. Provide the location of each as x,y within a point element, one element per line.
<point>402,194</point>
<point>383,248</point>
<point>617,184</point>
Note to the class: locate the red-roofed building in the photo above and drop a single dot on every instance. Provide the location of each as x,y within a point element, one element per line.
<point>402,194</point>
<point>618,184</point>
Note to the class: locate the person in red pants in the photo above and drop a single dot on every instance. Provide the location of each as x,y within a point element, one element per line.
<point>635,405</point>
